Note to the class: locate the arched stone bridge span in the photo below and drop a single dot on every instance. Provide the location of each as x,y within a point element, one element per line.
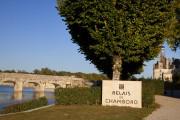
<point>39,82</point>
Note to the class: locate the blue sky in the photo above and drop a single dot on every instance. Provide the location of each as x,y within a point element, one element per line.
<point>33,35</point>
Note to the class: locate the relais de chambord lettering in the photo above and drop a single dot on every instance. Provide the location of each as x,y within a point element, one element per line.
<point>122,93</point>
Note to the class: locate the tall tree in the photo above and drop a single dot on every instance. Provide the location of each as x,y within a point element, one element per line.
<point>117,35</point>
<point>172,30</point>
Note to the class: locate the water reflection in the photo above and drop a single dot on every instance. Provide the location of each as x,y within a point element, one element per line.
<point>39,94</point>
<point>8,96</point>
<point>17,95</point>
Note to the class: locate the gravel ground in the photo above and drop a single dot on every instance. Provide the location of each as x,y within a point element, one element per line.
<point>169,109</point>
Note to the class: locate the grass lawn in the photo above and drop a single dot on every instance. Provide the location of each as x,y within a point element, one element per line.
<point>83,112</point>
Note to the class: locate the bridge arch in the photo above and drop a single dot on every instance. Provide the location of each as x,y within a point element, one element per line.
<point>34,83</point>
<point>9,81</point>
<point>37,86</point>
<point>55,84</point>
<point>18,84</point>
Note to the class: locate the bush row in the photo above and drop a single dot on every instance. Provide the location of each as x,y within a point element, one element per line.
<point>171,86</point>
<point>25,106</point>
<point>69,96</point>
<point>150,88</point>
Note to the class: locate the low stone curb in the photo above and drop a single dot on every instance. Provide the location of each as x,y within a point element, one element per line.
<point>27,110</point>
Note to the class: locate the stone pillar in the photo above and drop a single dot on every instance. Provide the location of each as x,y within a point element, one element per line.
<point>39,94</point>
<point>63,85</point>
<point>18,86</point>
<point>17,95</point>
<point>40,87</point>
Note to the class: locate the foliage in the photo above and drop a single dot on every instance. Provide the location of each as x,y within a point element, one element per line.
<point>88,76</point>
<point>45,71</point>
<point>9,71</point>
<point>150,88</point>
<point>130,30</point>
<point>70,96</point>
<point>25,106</point>
<point>176,72</point>
<point>157,85</point>
<point>14,71</point>
<point>176,78</point>
<point>148,98</point>
<point>172,30</point>
<point>23,71</point>
<point>172,86</point>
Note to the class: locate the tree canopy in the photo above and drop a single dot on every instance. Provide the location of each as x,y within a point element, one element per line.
<point>172,30</point>
<point>117,35</point>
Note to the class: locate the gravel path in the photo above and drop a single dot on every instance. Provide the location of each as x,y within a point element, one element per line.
<point>169,109</point>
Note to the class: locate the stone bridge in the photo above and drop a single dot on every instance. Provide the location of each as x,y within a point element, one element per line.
<point>39,82</point>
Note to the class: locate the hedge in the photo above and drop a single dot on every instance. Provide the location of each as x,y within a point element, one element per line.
<point>157,85</point>
<point>25,106</point>
<point>172,86</point>
<point>150,88</point>
<point>69,96</point>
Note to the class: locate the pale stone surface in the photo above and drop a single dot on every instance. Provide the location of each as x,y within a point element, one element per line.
<point>122,93</point>
<point>40,82</point>
<point>169,109</point>
<point>18,95</point>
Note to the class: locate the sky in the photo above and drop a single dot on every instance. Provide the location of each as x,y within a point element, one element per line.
<point>33,36</point>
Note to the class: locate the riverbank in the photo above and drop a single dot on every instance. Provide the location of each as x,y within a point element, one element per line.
<point>1,115</point>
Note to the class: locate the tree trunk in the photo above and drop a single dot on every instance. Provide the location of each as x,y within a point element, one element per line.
<point>117,62</point>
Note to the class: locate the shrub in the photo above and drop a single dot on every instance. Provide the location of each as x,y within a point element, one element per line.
<point>157,85</point>
<point>25,106</point>
<point>172,86</point>
<point>150,88</point>
<point>68,96</point>
<point>147,94</point>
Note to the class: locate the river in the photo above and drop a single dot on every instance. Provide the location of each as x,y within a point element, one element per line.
<point>9,97</point>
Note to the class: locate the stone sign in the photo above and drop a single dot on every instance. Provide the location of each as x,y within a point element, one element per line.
<point>122,93</point>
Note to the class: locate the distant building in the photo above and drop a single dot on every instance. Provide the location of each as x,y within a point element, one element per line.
<point>164,68</point>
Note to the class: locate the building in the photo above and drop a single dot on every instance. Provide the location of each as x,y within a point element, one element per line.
<point>164,68</point>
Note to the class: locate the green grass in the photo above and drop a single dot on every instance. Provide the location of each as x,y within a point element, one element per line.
<point>82,112</point>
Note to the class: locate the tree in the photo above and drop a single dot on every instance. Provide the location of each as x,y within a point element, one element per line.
<point>45,71</point>
<point>36,71</point>
<point>176,72</point>
<point>22,71</point>
<point>172,30</point>
<point>9,71</point>
<point>114,34</point>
